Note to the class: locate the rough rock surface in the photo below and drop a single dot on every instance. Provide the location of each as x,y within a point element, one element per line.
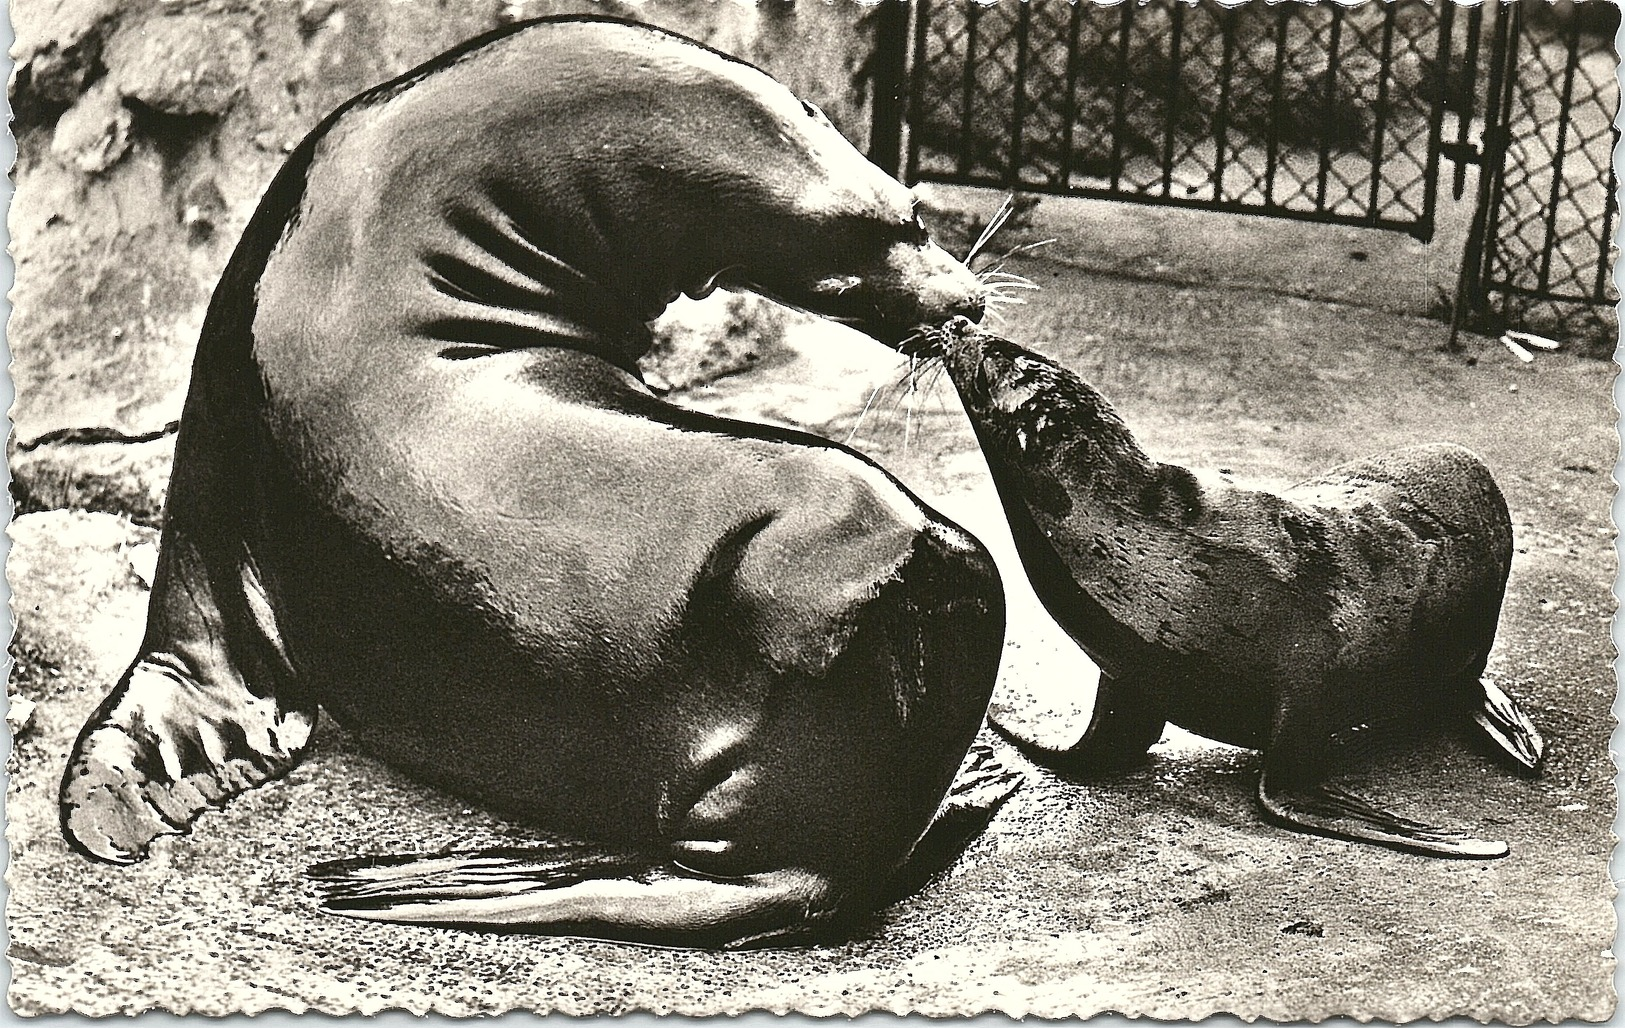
<point>114,477</point>
<point>146,131</point>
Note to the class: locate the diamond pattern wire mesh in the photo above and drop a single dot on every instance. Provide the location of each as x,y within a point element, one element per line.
<point>1549,261</point>
<point>1302,110</point>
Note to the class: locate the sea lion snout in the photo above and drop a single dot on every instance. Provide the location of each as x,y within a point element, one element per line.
<point>910,285</point>
<point>991,374</point>
<point>941,287</point>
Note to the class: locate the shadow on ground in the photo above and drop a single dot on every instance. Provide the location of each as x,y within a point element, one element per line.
<point>1157,893</point>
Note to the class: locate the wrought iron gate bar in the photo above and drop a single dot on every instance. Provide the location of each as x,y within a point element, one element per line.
<point>1024,19</point>
<point>1127,25</point>
<point>1221,117</point>
<point>1463,116</point>
<point>1599,291</point>
<point>1272,135</point>
<point>1447,90</point>
<point>1543,295</point>
<point>1550,239</point>
<point>909,165</point>
<point>1069,110</point>
<point>973,15</point>
<point>1332,63</point>
<point>1177,17</point>
<point>1379,136</point>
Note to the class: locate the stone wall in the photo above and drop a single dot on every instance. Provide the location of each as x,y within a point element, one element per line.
<point>146,130</point>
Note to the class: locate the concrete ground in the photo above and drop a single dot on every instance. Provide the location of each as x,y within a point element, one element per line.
<point>1157,893</point>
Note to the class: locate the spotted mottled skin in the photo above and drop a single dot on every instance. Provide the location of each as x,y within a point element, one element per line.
<point>1359,600</point>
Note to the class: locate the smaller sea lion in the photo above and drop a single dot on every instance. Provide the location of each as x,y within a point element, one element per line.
<point>1365,597</point>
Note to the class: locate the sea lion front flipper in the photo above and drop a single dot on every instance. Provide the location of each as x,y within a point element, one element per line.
<point>165,746</point>
<point>1325,809</point>
<point>1506,725</point>
<point>576,890</point>
<point>979,790</point>
<point>1122,727</point>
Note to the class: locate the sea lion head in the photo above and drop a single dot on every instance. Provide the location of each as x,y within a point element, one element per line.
<point>816,226</point>
<point>1022,398</point>
<point>1041,425</point>
<point>847,242</point>
<point>717,174</point>
<point>563,183</point>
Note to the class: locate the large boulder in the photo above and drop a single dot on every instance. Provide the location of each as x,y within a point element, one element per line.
<point>146,131</point>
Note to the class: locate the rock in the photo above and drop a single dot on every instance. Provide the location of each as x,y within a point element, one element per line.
<point>700,341</point>
<point>57,50</point>
<point>95,132</point>
<point>313,14</point>
<point>19,716</point>
<point>129,479</point>
<point>203,209</point>
<point>182,64</point>
<point>78,605</point>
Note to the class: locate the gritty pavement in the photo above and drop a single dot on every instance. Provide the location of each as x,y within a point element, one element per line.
<point>1158,892</point>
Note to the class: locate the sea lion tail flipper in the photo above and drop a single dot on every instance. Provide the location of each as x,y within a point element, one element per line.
<point>1506,725</point>
<point>576,890</point>
<point>1122,727</point>
<point>1325,809</point>
<point>163,747</point>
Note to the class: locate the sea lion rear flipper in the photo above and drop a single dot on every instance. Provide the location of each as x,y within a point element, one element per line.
<point>576,890</point>
<point>1122,727</point>
<point>1506,725</point>
<point>165,746</point>
<point>1325,809</point>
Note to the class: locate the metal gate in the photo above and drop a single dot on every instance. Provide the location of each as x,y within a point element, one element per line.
<point>1310,111</point>
<point>1539,256</point>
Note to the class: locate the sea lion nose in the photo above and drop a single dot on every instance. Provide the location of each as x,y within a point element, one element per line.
<point>971,308</point>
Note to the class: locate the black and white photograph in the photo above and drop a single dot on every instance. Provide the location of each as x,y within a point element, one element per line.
<point>937,507</point>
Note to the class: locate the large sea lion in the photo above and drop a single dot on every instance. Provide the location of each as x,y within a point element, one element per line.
<point>1356,601</point>
<point>420,482</point>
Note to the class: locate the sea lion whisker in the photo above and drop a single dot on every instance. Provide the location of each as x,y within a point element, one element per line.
<point>1022,248</point>
<point>991,229</point>
<point>1010,277</point>
<point>856,425</point>
<point>1007,301</point>
<point>1003,287</point>
<point>1013,283</point>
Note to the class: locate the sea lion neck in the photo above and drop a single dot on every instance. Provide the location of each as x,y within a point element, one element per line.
<point>557,212</point>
